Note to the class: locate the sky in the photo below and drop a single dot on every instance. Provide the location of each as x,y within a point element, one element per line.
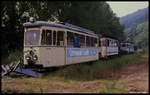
<point>126,7</point>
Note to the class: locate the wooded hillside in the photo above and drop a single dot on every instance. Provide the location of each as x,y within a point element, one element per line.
<point>136,28</point>
<point>135,18</point>
<point>138,35</point>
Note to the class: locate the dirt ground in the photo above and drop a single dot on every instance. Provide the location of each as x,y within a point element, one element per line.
<point>134,78</point>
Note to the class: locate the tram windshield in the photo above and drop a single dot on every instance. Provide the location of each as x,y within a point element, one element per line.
<point>32,37</point>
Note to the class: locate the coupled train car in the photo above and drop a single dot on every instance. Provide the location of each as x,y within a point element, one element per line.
<point>108,46</point>
<point>50,44</point>
<point>126,47</point>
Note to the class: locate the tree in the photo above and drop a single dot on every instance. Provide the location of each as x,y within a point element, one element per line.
<point>96,16</point>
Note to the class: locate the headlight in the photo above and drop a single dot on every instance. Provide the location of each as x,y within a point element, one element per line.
<point>27,58</point>
<point>35,57</point>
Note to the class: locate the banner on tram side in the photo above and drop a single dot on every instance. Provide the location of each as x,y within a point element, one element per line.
<point>78,52</point>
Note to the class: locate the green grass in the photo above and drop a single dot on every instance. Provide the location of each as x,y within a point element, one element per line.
<point>14,56</point>
<point>110,87</point>
<point>29,90</point>
<point>90,70</point>
<point>79,73</point>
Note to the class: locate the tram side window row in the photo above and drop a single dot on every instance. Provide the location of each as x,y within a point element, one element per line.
<point>57,38</point>
<point>78,40</point>
<point>106,42</point>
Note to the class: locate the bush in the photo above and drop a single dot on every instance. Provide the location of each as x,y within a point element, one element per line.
<point>14,56</point>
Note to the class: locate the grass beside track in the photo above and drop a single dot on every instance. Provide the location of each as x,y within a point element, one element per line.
<point>90,70</point>
<point>82,77</point>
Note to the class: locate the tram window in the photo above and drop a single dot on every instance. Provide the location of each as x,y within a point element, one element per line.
<point>104,42</point>
<point>116,43</point>
<point>76,40</point>
<point>110,43</point>
<point>43,42</point>
<point>87,41</point>
<point>60,38</point>
<point>92,41</point>
<point>82,40</point>
<point>123,45</point>
<point>95,42</point>
<point>46,37</point>
<point>54,37</point>
<point>70,39</point>
<point>32,37</point>
<point>107,42</point>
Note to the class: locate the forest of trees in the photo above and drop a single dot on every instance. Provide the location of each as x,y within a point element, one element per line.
<point>136,28</point>
<point>138,35</point>
<point>96,16</point>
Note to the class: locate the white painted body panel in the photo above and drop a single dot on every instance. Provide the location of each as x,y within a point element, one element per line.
<point>127,49</point>
<point>52,56</point>
<point>57,56</point>
<point>106,51</point>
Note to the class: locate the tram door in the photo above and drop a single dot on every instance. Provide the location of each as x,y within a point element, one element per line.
<point>52,52</point>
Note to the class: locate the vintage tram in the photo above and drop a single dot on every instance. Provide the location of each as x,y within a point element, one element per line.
<point>49,44</point>
<point>126,47</point>
<point>108,46</point>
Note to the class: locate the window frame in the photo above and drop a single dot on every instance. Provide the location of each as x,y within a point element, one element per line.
<point>32,28</point>
<point>45,43</point>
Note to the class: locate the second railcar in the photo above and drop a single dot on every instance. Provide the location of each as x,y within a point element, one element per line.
<point>108,46</point>
<point>126,47</point>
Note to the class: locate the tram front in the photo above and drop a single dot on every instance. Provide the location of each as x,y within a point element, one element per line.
<point>31,43</point>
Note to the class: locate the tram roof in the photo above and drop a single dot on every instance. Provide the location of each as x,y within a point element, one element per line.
<point>66,26</point>
<point>106,36</point>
